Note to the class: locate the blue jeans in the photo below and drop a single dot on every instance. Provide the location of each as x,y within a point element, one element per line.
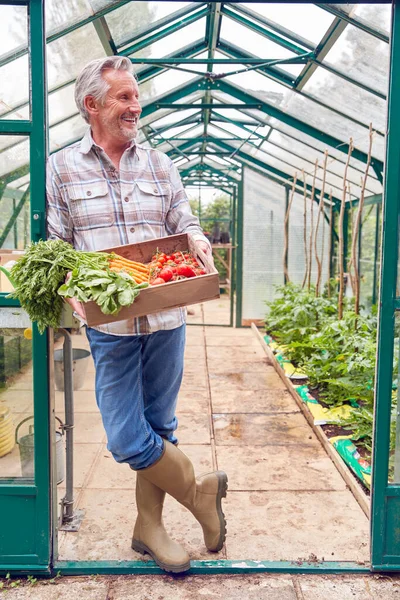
<point>137,384</point>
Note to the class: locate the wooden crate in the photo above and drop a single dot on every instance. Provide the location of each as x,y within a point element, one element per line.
<point>165,296</point>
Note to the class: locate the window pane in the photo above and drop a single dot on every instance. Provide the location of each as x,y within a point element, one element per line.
<point>306,20</point>
<point>69,54</point>
<point>174,42</point>
<point>14,88</point>
<point>362,57</point>
<point>13,28</point>
<point>16,400</point>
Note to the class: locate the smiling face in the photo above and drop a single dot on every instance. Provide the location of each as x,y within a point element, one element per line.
<point>116,119</point>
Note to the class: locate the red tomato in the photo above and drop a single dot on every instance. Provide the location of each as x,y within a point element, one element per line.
<point>202,272</point>
<point>162,259</point>
<point>166,274</point>
<point>185,271</point>
<point>157,281</point>
<point>168,257</point>
<point>159,265</point>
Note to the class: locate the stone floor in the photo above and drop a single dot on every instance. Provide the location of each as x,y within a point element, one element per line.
<point>286,500</point>
<point>209,587</point>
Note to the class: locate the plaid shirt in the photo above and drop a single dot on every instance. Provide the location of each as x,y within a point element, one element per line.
<point>93,206</point>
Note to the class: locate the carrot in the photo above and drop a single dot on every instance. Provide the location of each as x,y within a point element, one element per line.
<point>130,264</point>
<point>134,274</point>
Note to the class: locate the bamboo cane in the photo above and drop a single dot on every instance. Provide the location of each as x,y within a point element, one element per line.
<point>305,229</point>
<point>320,211</point>
<point>357,224</point>
<point>286,232</point>
<point>310,253</point>
<point>341,240</point>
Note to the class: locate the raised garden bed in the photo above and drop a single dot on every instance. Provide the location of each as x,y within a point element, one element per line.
<point>359,491</point>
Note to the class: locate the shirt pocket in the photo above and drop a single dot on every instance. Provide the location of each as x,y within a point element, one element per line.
<point>154,200</point>
<point>90,205</point>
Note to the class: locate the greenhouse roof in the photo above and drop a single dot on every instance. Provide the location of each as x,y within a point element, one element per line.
<point>223,84</point>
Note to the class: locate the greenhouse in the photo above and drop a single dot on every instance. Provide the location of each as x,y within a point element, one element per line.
<point>282,122</point>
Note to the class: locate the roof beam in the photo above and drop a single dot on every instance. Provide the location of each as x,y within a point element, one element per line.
<point>277,113</point>
<point>174,16</point>
<point>105,36</point>
<point>329,39</point>
<point>260,29</point>
<point>22,50</point>
<point>355,21</point>
<point>290,82</point>
<point>161,34</point>
<point>213,28</point>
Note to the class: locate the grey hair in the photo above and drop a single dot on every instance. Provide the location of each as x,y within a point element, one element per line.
<point>91,83</point>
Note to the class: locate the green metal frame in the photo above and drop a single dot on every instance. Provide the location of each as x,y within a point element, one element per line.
<point>385,507</point>
<point>26,533</point>
<point>15,495</point>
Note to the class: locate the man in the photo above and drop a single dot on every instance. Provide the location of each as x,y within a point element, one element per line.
<point>106,191</point>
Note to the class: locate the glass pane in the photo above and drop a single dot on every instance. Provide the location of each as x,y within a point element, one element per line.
<point>174,42</point>
<point>16,398</point>
<point>378,14</point>
<point>13,28</point>
<point>14,89</point>
<point>61,14</point>
<point>347,98</point>
<point>163,83</point>
<point>66,133</point>
<point>135,16</point>
<point>252,42</point>
<point>69,54</point>
<point>349,55</point>
<point>394,455</point>
<point>306,20</point>
<point>16,391</point>
<point>61,104</point>
<point>14,196</point>
<point>15,158</point>
<point>368,255</point>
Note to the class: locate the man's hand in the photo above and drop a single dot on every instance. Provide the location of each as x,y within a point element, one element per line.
<point>204,247</point>
<point>74,303</point>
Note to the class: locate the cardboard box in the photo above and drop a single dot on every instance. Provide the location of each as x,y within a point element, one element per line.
<point>161,297</point>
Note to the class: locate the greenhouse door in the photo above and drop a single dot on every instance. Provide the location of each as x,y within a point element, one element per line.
<point>24,414</point>
<point>385,508</point>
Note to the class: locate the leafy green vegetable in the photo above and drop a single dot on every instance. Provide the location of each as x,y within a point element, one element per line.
<point>39,276</point>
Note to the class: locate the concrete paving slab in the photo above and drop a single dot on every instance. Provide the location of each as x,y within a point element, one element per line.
<point>18,401</point>
<point>222,382</point>
<point>252,401</point>
<point>193,428</point>
<point>195,401</point>
<point>194,352</point>
<point>257,365</point>
<point>84,402</point>
<point>334,588</point>
<point>296,526</point>
<point>279,468</point>
<point>107,474</point>
<point>107,527</point>
<point>195,380</point>
<point>84,457</point>
<point>88,428</point>
<point>64,589</point>
<point>383,587</point>
<point>285,429</point>
<point>232,353</point>
<point>229,587</point>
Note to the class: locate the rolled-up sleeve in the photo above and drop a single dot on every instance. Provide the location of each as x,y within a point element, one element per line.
<point>180,218</point>
<point>59,223</point>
